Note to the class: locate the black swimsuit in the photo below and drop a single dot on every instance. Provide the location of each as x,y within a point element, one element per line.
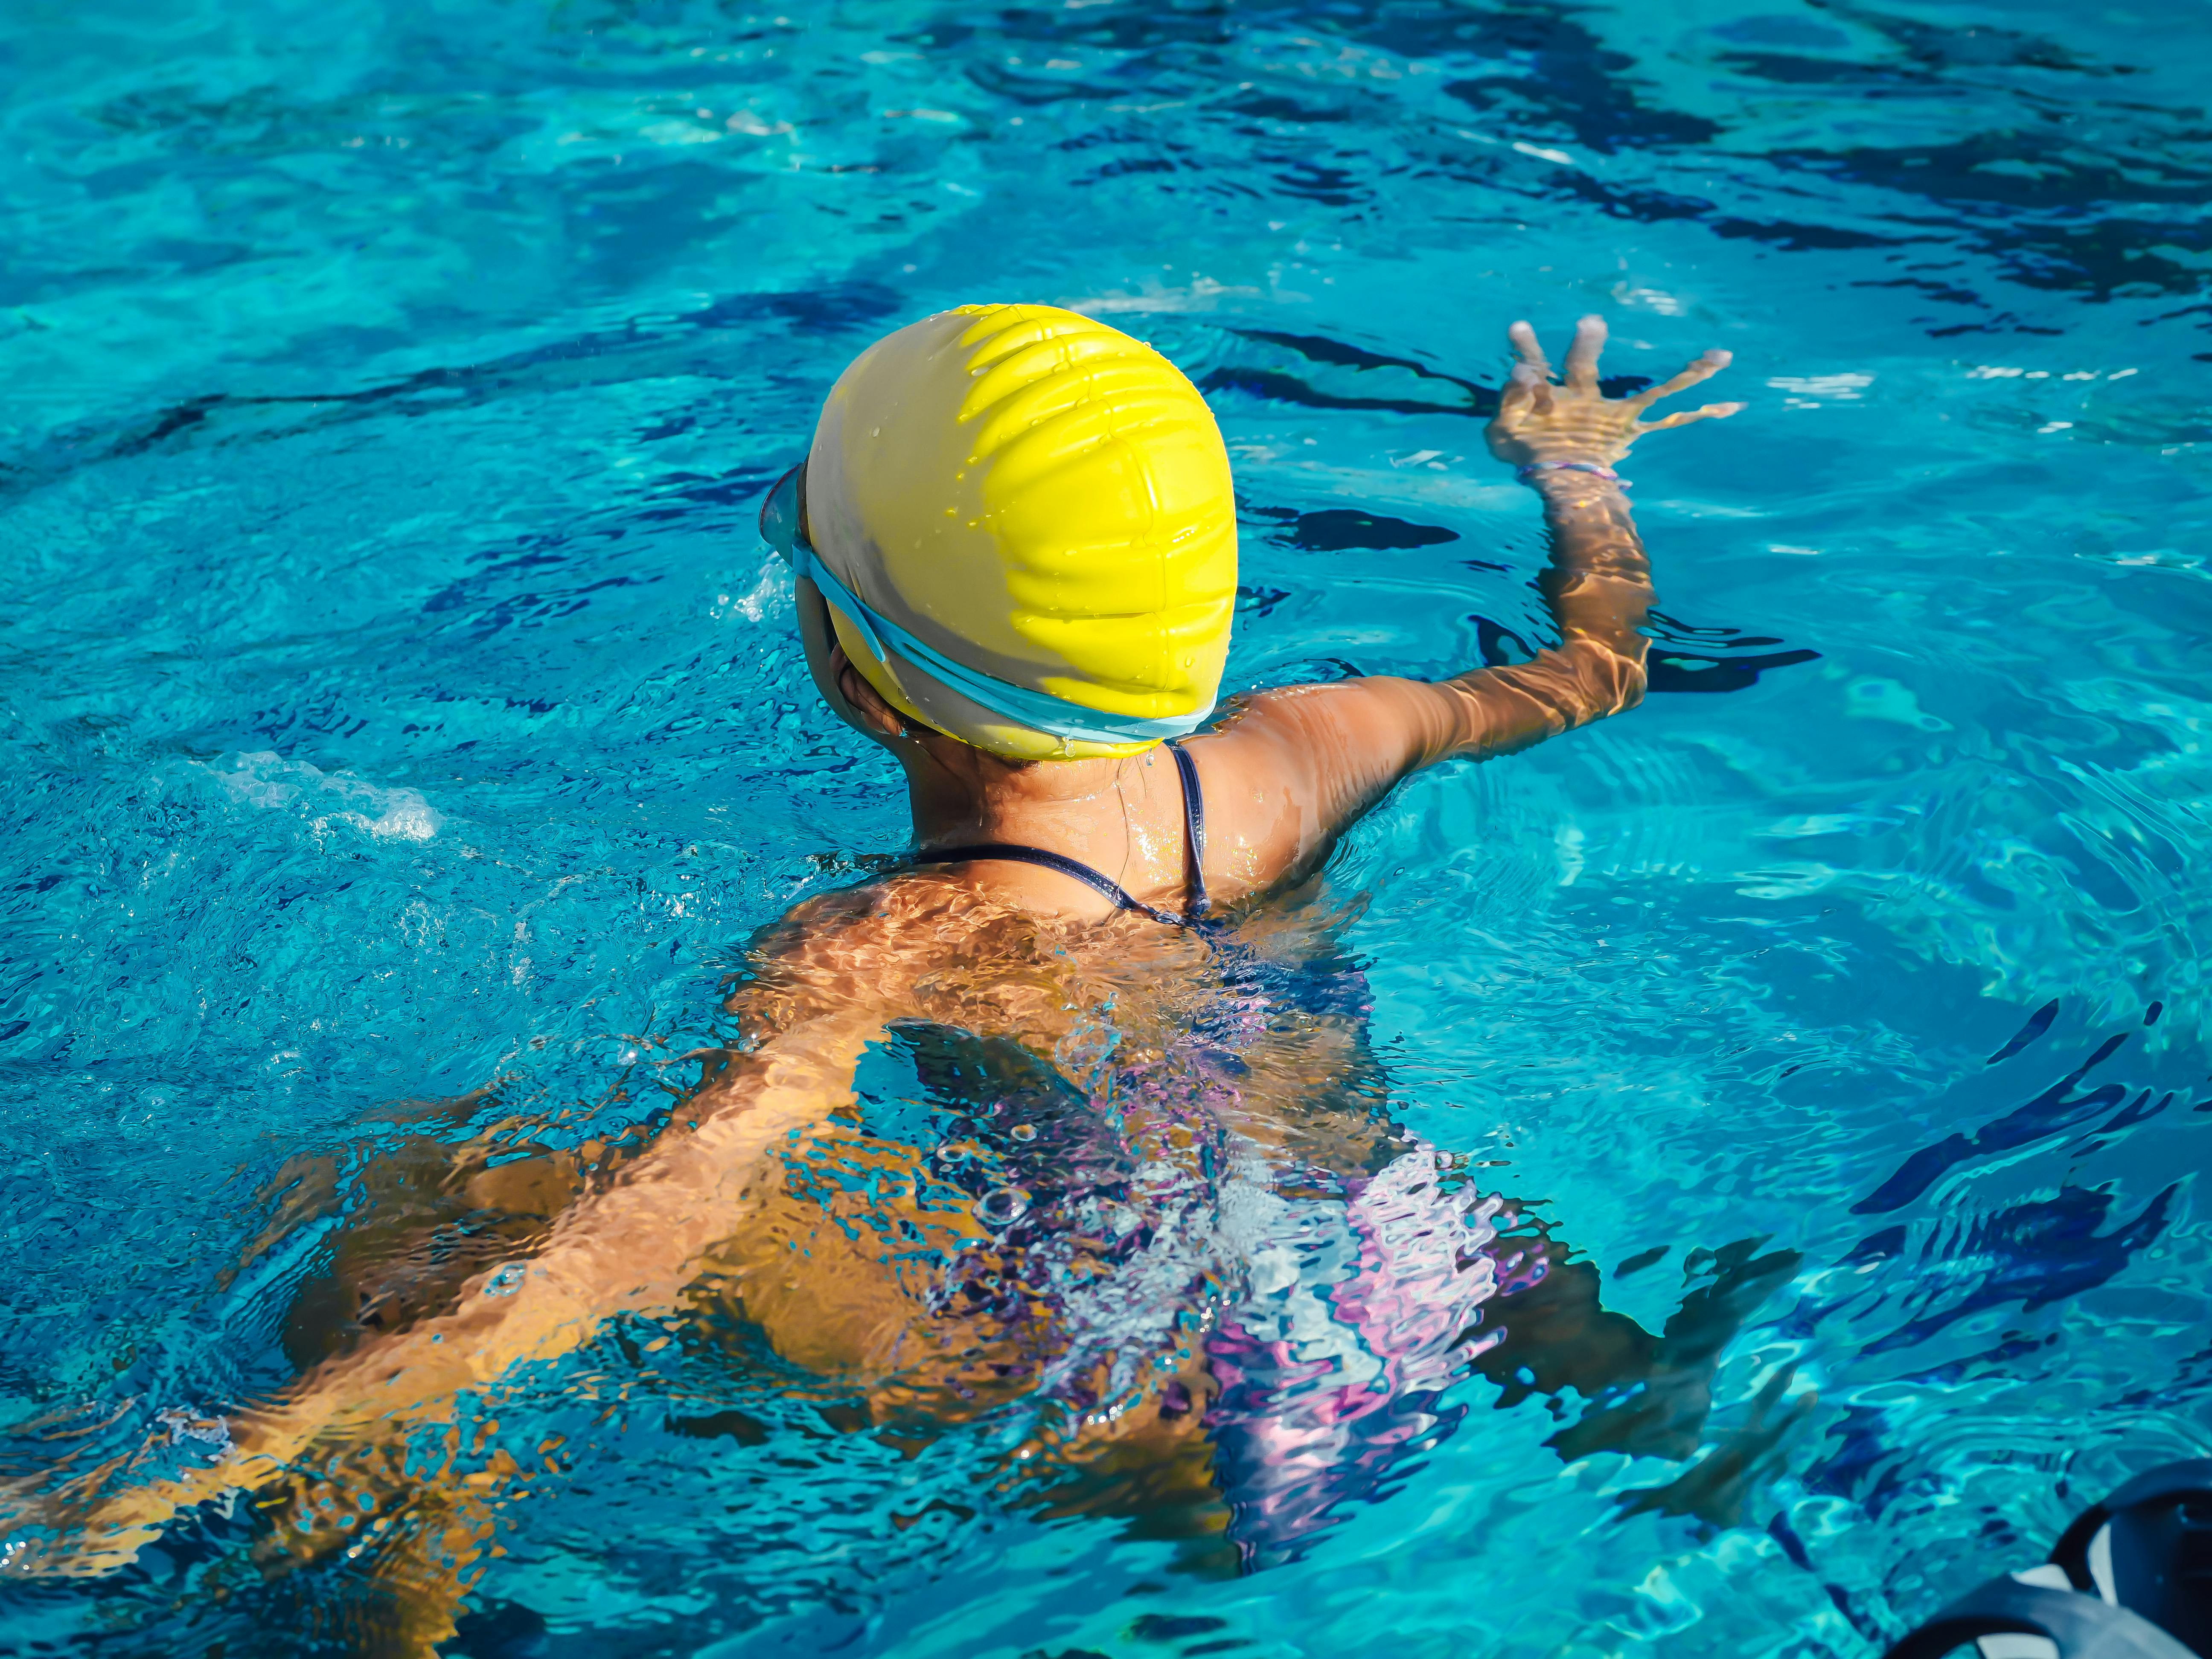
<point>1193,828</point>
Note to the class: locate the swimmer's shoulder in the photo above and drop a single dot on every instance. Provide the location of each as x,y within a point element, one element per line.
<point>875,945</point>
<point>825,954</point>
<point>1290,769</point>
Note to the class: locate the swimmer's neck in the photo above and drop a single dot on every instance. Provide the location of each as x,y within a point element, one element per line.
<point>962,796</point>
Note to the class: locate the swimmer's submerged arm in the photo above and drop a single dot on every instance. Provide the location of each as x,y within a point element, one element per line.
<point>830,983</point>
<point>1331,752</point>
<point>630,1248</point>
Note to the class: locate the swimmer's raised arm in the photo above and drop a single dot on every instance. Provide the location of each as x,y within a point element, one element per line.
<point>1311,758</point>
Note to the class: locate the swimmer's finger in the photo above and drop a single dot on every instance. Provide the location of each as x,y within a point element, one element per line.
<point>1710,412</point>
<point>1529,379</point>
<point>1581,356</point>
<point>1516,398</point>
<point>1700,369</point>
<point>1528,349</point>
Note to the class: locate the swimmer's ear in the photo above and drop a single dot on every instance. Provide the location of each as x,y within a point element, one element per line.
<point>874,716</point>
<point>821,654</point>
<point>826,662</point>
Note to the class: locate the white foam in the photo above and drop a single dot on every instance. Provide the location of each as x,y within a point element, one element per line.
<point>1204,294</point>
<point>1842,388</point>
<point>265,779</point>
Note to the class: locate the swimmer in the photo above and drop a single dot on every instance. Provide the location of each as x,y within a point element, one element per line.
<point>1014,544</point>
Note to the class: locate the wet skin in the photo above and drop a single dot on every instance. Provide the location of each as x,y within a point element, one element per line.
<point>744,1205</point>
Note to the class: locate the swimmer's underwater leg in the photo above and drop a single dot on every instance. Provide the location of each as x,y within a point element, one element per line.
<point>1558,1335</point>
<point>1665,1416</point>
<point>1648,1396</point>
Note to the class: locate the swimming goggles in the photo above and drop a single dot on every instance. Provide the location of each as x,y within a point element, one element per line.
<point>783,527</point>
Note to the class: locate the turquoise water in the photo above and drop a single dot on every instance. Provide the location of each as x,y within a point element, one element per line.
<point>399,706</point>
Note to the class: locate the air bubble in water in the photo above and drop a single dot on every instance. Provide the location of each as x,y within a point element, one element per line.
<point>1002,1206</point>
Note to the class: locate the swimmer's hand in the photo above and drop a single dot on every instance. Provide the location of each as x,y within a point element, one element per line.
<point>1537,420</point>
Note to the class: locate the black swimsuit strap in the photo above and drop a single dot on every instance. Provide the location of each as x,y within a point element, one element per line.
<point>1098,881</point>
<point>1193,828</point>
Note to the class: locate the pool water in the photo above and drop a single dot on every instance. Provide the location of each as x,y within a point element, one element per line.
<point>401,710</point>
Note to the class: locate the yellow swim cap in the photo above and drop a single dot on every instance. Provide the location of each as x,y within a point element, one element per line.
<point>1039,508</point>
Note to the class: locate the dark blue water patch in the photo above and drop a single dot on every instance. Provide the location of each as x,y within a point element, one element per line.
<point>2038,1024</point>
<point>1341,529</point>
<point>2045,217</point>
<point>2191,1383</point>
<point>1274,107</point>
<point>1794,236</point>
<point>2064,233</point>
<point>2052,1110</point>
<point>2141,1109</point>
<point>642,349</point>
<point>1793,1546</point>
<point>1322,349</point>
<point>1305,388</point>
<point>1644,205</point>
<point>1131,28</point>
<point>733,1424</point>
<point>1273,386</point>
<point>1866,1466</point>
<point>2035,1253</point>
<point>1927,55</point>
<point>1573,86</point>
<point>1170,1627</point>
<point>1323,670</point>
<point>1782,29</point>
<point>1034,91</point>
<point>1668,670</point>
<point>1686,657</point>
<point>2004,322</point>
<point>1680,671</point>
<point>688,493</point>
<point>1498,646</point>
<point>499,1630</point>
<point>1979,46</point>
<point>1639,204</point>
